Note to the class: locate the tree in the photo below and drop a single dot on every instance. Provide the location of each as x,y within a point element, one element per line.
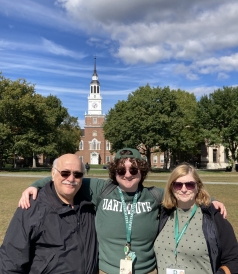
<point>29,121</point>
<point>68,135</point>
<point>218,114</point>
<point>154,120</point>
<point>184,131</point>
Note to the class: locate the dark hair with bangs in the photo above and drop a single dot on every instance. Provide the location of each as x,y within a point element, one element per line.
<point>142,165</point>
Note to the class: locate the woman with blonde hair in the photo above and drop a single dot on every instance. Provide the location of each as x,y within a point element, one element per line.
<point>193,237</point>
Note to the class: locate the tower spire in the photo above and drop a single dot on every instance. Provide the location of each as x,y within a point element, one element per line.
<point>95,70</point>
<point>94,98</point>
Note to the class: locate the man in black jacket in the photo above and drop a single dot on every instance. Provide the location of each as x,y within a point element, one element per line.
<point>57,233</point>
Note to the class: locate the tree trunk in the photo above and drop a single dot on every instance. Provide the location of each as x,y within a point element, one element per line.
<point>148,154</point>
<point>33,161</point>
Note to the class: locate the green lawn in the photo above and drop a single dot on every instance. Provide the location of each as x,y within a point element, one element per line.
<point>12,187</point>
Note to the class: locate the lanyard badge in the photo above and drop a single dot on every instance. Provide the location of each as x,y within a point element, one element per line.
<point>175,271</point>
<point>129,255</point>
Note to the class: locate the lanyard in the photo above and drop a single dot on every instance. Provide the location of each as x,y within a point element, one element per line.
<point>178,235</point>
<point>128,222</point>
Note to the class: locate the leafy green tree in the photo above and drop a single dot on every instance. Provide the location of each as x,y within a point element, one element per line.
<point>154,120</point>
<point>68,135</point>
<point>185,135</point>
<point>30,122</point>
<point>218,114</point>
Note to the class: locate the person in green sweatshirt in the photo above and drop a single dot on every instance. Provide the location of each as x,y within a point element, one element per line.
<point>127,216</point>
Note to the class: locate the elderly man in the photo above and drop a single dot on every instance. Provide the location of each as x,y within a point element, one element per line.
<point>57,233</point>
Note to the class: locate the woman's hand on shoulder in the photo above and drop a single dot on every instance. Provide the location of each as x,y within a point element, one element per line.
<point>221,207</point>
<point>24,201</point>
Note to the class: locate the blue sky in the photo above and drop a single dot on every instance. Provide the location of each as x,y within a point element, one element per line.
<point>191,45</point>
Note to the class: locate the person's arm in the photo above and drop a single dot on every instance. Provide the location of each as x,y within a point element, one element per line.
<point>229,245</point>
<point>41,182</point>
<point>24,201</point>
<point>221,207</point>
<point>91,189</point>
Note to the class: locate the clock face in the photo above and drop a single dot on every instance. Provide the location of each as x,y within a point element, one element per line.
<point>94,105</point>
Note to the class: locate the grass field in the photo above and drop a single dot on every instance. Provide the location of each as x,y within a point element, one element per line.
<point>12,186</point>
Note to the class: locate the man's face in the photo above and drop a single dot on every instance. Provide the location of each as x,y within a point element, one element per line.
<point>67,186</point>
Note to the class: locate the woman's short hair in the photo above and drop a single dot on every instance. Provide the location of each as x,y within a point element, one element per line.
<point>181,170</point>
<point>141,164</point>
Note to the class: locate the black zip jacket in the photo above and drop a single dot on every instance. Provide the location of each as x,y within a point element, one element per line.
<point>51,237</point>
<point>220,237</point>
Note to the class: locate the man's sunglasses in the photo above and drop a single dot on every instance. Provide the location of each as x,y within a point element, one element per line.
<point>66,173</point>
<point>122,171</point>
<point>189,185</point>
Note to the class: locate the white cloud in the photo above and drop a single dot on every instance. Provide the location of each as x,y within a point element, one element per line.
<point>46,46</point>
<point>132,55</point>
<point>4,44</point>
<point>202,90</point>
<point>222,76</point>
<point>158,30</point>
<point>163,43</point>
<point>42,13</point>
<point>60,50</point>
<point>215,65</point>
<point>46,90</point>
<point>192,76</point>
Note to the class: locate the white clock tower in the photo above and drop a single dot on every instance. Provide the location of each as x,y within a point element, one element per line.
<point>94,98</point>
<point>93,147</point>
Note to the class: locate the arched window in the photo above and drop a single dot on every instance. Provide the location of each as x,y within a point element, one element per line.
<point>95,144</point>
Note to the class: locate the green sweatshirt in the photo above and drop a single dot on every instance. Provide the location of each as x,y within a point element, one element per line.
<point>111,227</point>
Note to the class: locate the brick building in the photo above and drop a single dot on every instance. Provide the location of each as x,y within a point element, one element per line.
<point>93,147</point>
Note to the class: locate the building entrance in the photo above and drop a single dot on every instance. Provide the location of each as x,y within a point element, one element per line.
<point>94,158</point>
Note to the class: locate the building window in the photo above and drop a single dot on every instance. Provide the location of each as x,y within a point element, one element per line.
<point>108,145</point>
<point>214,155</point>
<point>81,145</point>
<point>94,120</point>
<point>94,145</point>
<point>95,133</point>
<point>107,159</point>
<point>162,158</point>
<point>155,159</point>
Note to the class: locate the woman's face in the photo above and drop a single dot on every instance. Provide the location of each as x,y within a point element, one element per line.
<point>128,182</point>
<point>186,195</point>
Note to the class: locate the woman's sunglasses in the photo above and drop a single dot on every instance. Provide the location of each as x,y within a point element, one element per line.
<point>189,185</point>
<point>66,173</point>
<point>122,171</point>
